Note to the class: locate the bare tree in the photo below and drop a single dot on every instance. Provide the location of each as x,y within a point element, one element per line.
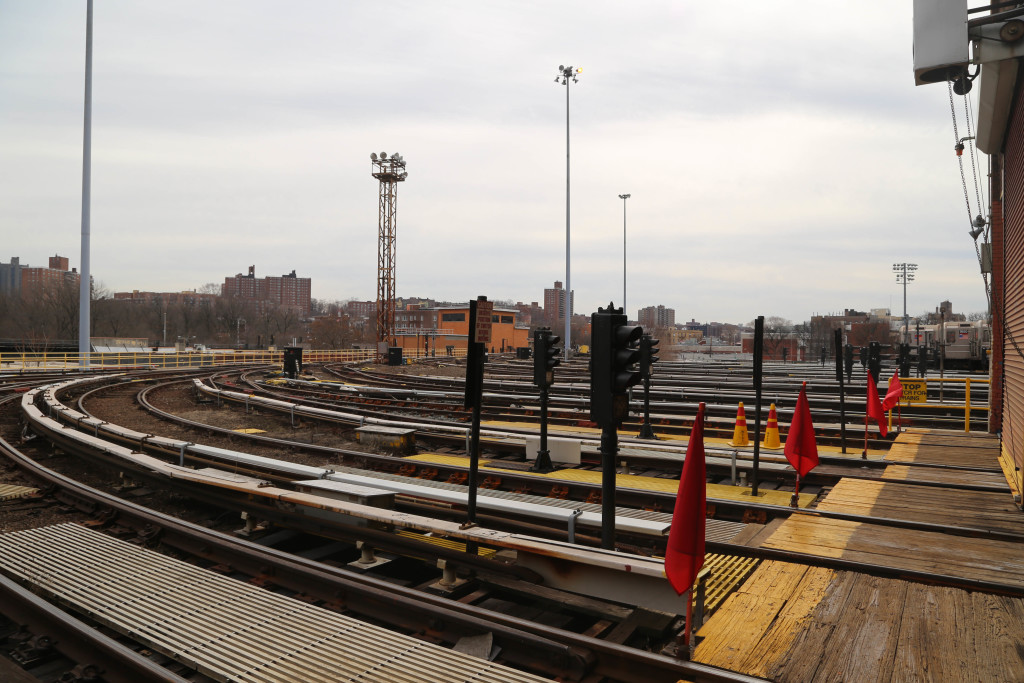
<point>776,329</point>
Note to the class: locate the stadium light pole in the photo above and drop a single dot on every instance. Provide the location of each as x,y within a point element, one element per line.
<point>904,274</point>
<point>624,197</point>
<point>567,74</point>
<point>85,283</point>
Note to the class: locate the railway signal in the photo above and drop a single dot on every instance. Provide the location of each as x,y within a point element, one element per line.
<point>648,357</point>
<point>613,358</point>
<point>545,359</point>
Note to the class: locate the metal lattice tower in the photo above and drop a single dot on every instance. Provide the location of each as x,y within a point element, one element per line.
<point>389,171</point>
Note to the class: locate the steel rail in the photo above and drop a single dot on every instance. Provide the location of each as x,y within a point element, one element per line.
<point>609,659</point>
<point>775,511</point>
<point>94,651</point>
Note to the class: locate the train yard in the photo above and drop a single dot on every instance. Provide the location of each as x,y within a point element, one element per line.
<point>342,494</point>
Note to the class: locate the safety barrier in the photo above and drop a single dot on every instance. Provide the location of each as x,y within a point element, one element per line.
<point>147,359</point>
<point>915,389</point>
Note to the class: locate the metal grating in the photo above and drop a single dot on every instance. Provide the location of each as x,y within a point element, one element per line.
<point>224,628</point>
<point>727,572</point>
<point>10,491</point>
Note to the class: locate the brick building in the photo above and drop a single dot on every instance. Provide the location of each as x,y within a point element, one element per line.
<point>32,283</point>
<point>165,299</point>
<point>656,316</point>
<point>286,290</point>
<point>554,303</point>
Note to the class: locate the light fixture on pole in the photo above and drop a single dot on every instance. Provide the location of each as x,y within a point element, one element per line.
<point>905,274</point>
<point>979,227</point>
<point>567,74</point>
<point>624,197</point>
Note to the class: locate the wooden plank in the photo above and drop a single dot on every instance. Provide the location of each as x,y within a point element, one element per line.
<point>952,507</point>
<point>747,614</point>
<point>815,638</point>
<point>777,640</point>
<point>868,631</point>
<point>931,474</point>
<point>980,559</point>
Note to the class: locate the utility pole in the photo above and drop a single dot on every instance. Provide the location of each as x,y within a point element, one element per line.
<point>905,274</point>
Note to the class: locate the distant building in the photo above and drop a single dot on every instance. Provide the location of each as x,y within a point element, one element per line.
<point>32,283</point>
<point>286,290</point>
<point>656,316</point>
<point>420,329</point>
<point>164,299</point>
<point>361,310</point>
<point>554,303</point>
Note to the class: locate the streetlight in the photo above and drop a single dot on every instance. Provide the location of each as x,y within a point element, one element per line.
<point>624,197</point>
<point>567,74</point>
<point>904,274</point>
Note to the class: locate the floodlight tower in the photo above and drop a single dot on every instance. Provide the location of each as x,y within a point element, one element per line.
<point>389,171</point>
<point>904,274</point>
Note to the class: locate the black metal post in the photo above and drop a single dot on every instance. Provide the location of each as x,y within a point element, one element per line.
<point>646,430</point>
<point>842,394</point>
<point>609,449</point>
<point>476,357</point>
<point>758,357</point>
<point>543,462</point>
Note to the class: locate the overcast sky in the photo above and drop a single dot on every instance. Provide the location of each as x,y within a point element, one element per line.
<point>779,157</point>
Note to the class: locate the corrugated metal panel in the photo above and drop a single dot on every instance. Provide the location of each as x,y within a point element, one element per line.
<point>1013,280</point>
<point>10,491</point>
<point>225,628</point>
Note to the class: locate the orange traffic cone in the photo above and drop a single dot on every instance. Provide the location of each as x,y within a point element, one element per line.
<point>739,434</point>
<point>771,432</point>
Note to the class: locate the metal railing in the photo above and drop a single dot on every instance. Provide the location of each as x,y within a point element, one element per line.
<point>941,403</point>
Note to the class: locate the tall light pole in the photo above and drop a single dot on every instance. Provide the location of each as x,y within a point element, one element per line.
<point>85,284</point>
<point>624,197</point>
<point>904,274</point>
<point>567,74</point>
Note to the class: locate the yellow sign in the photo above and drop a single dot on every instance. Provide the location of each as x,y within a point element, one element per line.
<point>914,391</point>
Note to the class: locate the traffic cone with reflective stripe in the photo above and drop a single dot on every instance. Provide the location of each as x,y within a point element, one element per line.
<point>771,432</point>
<point>739,434</point>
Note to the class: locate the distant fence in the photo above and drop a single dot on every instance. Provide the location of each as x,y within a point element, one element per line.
<point>148,359</point>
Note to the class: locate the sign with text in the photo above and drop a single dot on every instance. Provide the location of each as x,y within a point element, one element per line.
<point>482,328</point>
<point>914,391</point>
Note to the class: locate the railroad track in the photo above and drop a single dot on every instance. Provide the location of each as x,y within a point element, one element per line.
<point>542,648</point>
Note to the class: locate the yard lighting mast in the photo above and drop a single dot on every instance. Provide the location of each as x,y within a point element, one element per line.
<point>904,274</point>
<point>389,171</point>
<point>624,197</point>
<point>567,74</point>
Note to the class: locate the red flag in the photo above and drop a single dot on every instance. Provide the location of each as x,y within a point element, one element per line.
<point>895,393</point>
<point>684,555</point>
<point>801,448</point>
<point>875,410</point>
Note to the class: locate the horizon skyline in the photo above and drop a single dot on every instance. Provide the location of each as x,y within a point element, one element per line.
<point>762,179</point>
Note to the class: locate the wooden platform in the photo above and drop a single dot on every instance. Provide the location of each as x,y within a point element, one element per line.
<point>951,507</point>
<point>979,559</point>
<point>942,447</point>
<point>949,477</point>
<point>797,624</point>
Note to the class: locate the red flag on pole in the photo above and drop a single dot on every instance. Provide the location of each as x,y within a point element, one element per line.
<point>801,447</point>
<point>684,555</point>
<point>895,393</point>
<point>875,410</point>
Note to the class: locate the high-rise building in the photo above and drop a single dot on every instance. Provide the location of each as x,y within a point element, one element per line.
<point>656,316</point>
<point>554,303</point>
<point>31,283</point>
<point>286,290</point>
